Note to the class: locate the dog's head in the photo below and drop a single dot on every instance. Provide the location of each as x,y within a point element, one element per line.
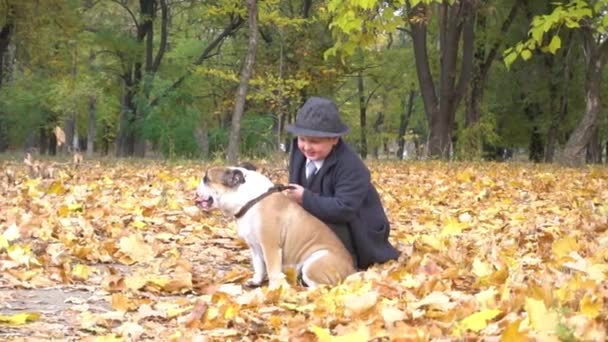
<point>229,188</point>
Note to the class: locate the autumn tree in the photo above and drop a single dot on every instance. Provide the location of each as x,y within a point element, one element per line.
<point>247,70</point>
<point>443,93</point>
<point>588,18</point>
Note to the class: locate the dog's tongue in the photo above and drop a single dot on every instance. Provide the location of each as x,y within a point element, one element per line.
<point>203,204</point>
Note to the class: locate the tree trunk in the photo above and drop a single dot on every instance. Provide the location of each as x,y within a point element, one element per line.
<point>378,133</point>
<point>594,148</point>
<point>69,128</point>
<point>128,121</point>
<point>362,116</point>
<point>559,114</point>
<point>92,127</point>
<point>404,122</point>
<point>482,64</point>
<point>5,58</point>
<point>456,23</point>
<point>241,96</point>
<point>574,151</point>
<point>6,62</point>
<point>201,135</point>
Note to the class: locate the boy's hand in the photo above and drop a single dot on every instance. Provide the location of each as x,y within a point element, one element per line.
<point>296,193</point>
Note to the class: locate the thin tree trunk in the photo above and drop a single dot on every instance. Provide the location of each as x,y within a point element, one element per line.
<point>92,127</point>
<point>558,114</point>
<point>241,96</point>
<point>6,61</point>
<point>362,116</point>
<point>483,63</point>
<point>201,135</point>
<point>574,151</point>
<point>404,122</point>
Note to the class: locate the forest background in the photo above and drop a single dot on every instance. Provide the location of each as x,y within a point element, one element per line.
<point>112,247</point>
<point>414,79</point>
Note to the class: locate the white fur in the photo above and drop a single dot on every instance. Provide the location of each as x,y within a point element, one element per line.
<point>309,261</point>
<point>232,201</point>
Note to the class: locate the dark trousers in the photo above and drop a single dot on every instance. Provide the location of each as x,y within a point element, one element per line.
<point>342,230</point>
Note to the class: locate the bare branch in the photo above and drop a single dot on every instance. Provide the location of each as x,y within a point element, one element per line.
<point>163,35</point>
<point>123,5</point>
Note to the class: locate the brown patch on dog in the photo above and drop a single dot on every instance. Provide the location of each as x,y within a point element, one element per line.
<point>224,177</point>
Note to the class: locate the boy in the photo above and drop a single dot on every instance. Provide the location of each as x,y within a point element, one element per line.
<point>331,182</point>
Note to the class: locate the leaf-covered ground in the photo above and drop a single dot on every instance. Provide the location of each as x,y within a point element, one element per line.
<point>117,251</point>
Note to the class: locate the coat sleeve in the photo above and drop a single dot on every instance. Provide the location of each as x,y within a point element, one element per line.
<point>352,182</point>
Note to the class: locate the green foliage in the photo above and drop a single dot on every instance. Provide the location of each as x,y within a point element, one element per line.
<point>257,137</point>
<point>22,105</point>
<point>172,132</point>
<point>473,139</point>
<point>570,16</point>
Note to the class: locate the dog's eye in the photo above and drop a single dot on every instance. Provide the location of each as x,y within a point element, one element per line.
<point>205,179</point>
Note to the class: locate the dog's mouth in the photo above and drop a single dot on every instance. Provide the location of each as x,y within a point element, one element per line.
<point>204,203</point>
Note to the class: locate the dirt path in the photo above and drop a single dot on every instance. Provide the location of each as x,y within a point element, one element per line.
<point>59,308</point>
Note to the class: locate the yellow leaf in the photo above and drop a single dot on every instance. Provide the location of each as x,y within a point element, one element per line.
<point>591,306</point>
<point>596,272</point>
<point>464,176</point>
<point>541,319</point>
<point>431,241</point>
<point>135,282</point>
<point>56,188</point>
<point>452,226</point>
<point>19,254</point>
<point>481,269</point>
<point>3,243</point>
<point>512,333</point>
<point>193,182</point>
<point>11,233</point>
<point>108,338</point>
<point>487,298</point>
<point>361,335</point>
<point>63,211</point>
<point>161,282</point>
<point>231,312</point>
<point>139,224</point>
<point>120,302</point>
<point>359,304</point>
<point>136,248</point>
<point>322,334</point>
<point>176,311</point>
<point>75,207</point>
<point>82,271</point>
<point>479,320</point>
<point>563,247</point>
<point>20,318</point>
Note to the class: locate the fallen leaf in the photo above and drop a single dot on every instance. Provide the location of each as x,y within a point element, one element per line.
<point>479,320</point>
<point>20,318</point>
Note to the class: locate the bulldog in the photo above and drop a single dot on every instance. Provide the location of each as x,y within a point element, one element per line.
<point>279,232</point>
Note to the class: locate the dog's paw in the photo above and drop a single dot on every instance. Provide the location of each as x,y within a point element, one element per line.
<point>253,283</point>
<point>278,282</point>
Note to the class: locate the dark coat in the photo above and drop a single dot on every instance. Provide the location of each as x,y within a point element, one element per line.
<point>342,192</point>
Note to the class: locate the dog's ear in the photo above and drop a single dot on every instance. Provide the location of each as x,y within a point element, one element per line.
<point>233,177</point>
<point>248,166</point>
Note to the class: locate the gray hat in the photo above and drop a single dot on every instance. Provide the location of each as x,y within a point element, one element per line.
<point>318,117</point>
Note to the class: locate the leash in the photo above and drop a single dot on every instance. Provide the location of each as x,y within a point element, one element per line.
<point>272,190</point>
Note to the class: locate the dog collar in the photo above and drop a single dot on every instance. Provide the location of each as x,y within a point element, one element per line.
<point>248,205</point>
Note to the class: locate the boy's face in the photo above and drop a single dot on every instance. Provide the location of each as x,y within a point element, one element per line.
<point>315,148</point>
